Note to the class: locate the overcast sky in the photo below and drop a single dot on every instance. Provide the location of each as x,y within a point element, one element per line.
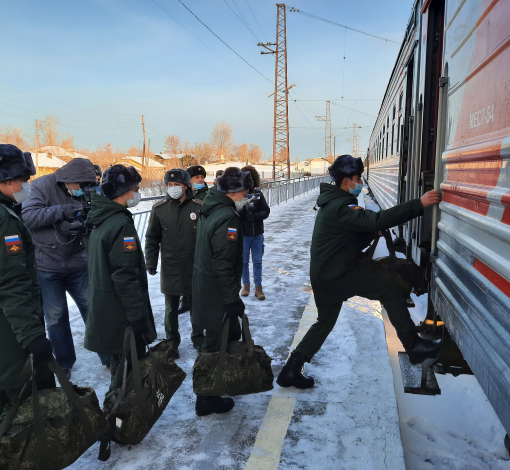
<point>109,61</point>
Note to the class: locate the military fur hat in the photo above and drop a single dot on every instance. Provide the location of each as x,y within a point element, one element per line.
<point>196,170</point>
<point>234,180</point>
<point>177,176</point>
<point>254,175</point>
<point>14,163</point>
<point>119,179</point>
<point>345,166</point>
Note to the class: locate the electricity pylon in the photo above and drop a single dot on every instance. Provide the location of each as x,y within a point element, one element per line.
<point>355,141</point>
<point>328,135</point>
<point>281,102</point>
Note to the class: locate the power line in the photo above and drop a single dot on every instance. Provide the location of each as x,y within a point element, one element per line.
<point>212,32</point>
<point>295,10</point>
<point>245,24</point>
<point>350,109</point>
<point>255,18</point>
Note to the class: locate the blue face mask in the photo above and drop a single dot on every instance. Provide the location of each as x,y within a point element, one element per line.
<point>357,190</point>
<point>199,186</point>
<point>76,192</point>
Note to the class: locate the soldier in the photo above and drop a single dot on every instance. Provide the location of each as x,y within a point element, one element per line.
<point>197,174</point>
<point>218,270</point>
<point>218,173</point>
<point>21,317</point>
<point>99,173</point>
<point>342,230</point>
<point>172,227</point>
<point>118,288</point>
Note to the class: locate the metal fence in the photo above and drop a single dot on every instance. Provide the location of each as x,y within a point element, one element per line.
<point>276,193</point>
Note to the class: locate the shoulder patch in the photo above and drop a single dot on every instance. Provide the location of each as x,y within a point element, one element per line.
<point>13,245</point>
<point>198,201</point>
<point>231,234</point>
<point>129,244</point>
<point>160,203</point>
<point>355,207</point>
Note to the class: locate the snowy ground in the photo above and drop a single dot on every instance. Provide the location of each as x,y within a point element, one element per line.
<point>348,421</point>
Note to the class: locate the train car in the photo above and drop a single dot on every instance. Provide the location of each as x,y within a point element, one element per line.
<point>445,122</point>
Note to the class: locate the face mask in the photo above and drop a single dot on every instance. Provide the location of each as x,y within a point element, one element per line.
<point>22,195</point>
<point>76,192</point>
<point>241,204</point>
<point>357,190</point>
<point>199,186</point>
<point>136,199</point>
<point>175,192</point>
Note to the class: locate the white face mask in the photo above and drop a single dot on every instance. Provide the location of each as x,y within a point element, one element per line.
<point>175,192</point>
<point>22,195</point>
<point>136,199</point>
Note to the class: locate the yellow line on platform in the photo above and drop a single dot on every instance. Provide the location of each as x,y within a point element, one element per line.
<point>267,451</point>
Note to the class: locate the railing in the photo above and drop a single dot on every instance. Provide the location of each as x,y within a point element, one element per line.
<point>275,193</point>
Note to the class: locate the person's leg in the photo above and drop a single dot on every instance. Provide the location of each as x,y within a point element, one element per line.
<point>172,320</point>
<point>77,285</point>
<point>256,255</point>
<point>197,334</point>
<point>247,241</point>
<point>56,313</point>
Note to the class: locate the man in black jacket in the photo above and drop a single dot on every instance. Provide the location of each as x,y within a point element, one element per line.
<point>253,211</point>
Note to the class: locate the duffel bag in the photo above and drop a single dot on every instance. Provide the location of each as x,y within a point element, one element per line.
<point>145,392</point>
<point>55,427</point>
<point>238,368</point>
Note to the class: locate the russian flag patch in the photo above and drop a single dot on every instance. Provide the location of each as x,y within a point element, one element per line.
<point>129,244</point>
<point>232,234</point>
<point>13,245</point>
<point>354,207</point>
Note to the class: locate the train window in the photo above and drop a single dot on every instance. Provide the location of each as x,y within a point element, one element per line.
<point>400,100</point>
<point>387,122</point>
<point>392,137</point>
<point>398,135</point>
<point>382,153</point>
<point>394,110</point>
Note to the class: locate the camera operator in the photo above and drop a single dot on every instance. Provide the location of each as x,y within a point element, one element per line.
<point>55,214</point>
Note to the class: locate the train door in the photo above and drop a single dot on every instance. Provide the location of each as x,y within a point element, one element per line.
<point>433,68</point>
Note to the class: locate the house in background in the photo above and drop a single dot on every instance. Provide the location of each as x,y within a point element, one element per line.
<point>155,169</point>
<point>46,163</point>
<point>62,153</point>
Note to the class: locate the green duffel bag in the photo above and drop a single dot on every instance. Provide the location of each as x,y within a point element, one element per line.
<point>238,368</point>
<point>145,392</point>
<point>55,427</point>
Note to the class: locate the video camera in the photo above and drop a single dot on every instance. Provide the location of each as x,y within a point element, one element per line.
<point>80,219</point>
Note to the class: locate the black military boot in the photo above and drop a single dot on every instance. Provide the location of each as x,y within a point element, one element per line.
<point>292,375</point>
<point>207,405</point>
<point>417,348</point>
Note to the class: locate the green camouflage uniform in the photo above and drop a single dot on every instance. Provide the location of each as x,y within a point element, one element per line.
<point>338,270</point>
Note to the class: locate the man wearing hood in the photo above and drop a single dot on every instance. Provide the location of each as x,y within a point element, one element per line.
<point>21,319</point>
<point>218,269</point>
<point>337,269</point>
<point>172,227</point>
<point>53,214</point>
<point>119,295</point>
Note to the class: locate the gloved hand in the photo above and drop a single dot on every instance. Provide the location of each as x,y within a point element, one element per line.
<point>253,205</point>
<point>151,271</point>
<point>250,217</point>
<point>71,228</point>
<point>235,309</point>
<point>41,348</point>
<point>139,326</point>
<point>69,211</point>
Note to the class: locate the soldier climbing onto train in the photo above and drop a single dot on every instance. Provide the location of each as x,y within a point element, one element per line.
<point>339,270</point>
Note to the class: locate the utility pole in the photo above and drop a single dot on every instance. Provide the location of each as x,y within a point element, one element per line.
<point>281,102</point>
<point>355,141</point>
<point>36,147</point>
<point>334,147</point>
<point>327,131</point>
<point>143,152</point>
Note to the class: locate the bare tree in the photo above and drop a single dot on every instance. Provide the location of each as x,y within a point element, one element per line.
<point>254,153</point>
<point>133,151</point>
<point>68,142</point>
<point>13,135</point>
<point>221,139</point>
<point>49,130</point>
<point>241,153</point>
<point>173,142</point>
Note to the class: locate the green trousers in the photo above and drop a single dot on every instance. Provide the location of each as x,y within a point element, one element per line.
<point>172,323</point>
<point>330,295</point>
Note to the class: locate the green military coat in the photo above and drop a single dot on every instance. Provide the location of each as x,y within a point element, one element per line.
<point>201,193</point>
<point>342,230</point>
<point>21,314</point>
<point>218,261</point>
<point>118,289</point>
<point>173,228</point>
